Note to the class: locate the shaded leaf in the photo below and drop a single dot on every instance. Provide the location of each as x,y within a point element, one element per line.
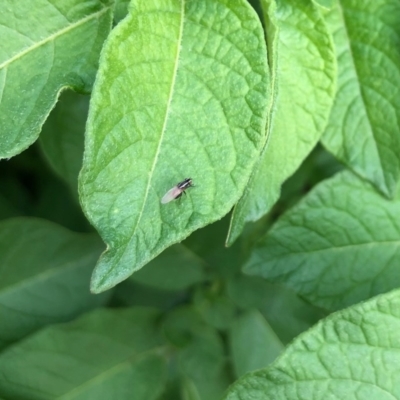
<point>47,46</point>
<point>363,129</point>
<point>253,343</point>
<point>338,246</point>
<point>287,314</point>
<point>201,357</point>
<point>120,9</point>
<point>103,355</point>
<point>44,275</point>
<point>203,363</point>
<point>62,137</point>
<point>352,354</point>
<point>181,92</point>
<point>176,268</point>
<point>130,293</point>
<point>217,309</point>
<point>303,73</point>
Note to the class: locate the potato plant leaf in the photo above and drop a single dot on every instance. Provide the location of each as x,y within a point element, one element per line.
<point>303,74</point>
<point>363,129</point>
<point>45,272</point>
<point>336,247</point>
<point>103,355</point>
<point>47,45</point>
<point>181,92</point>
<point>353,354</point>
<point>62,137</point>
<point>257,352</point>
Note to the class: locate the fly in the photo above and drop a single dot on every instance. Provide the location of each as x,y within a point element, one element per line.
<point>177,191</point>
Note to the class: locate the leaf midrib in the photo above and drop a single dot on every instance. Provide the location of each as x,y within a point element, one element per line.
<point>52,37</point>
<point>151,173</point>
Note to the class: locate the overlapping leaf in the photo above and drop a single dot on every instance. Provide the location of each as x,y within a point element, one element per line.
<point>44,275</point>
<point>254,344</point>
<point>181,92</point>
<point>46,45</point>
<point>338,246</point>
<point>353,354</point>
<point>363,129</point>
<point>108,354</point>
<point>62,137</point>
<point>303,73</point>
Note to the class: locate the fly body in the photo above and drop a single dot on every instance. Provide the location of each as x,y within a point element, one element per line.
<point>177,191</point>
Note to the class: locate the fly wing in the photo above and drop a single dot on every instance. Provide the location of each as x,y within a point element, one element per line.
<point>172,194</point>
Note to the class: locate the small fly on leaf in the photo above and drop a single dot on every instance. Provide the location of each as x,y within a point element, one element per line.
<point>177,191</point>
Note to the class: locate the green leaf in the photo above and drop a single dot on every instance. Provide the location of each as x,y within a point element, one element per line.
<point>61,139</point>
<point>209,244</point>
<point>363,129</point>
<point>254,344</point>
<point>130,293</point>
<point>324,3</point>
<point>203,362</point>
<point>181,92</point>
<point>338,246</point>
<point>104,355</point>
<point>285,311</point>
<point>303,73</point>
<point>353,354</point>
<point>47,46</point>
<point>217,309</point>
<point>45,271</point>
<point>120,9</point>
<point>176,268</point>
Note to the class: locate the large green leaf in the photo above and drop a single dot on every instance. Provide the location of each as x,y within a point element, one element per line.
<point>353,354</point>
<point>303,73</point>
<point>44,275</point>
<point>46,45</point>
<point>363,129</point>
<point>61,139</point>
<point>338,246</point>
<point>108,354</point>
<point>181,92</point>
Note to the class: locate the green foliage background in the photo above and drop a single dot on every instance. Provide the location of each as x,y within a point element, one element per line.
<point>276,276</point>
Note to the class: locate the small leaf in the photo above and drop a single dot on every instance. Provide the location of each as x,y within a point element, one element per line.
<point>363,129</point>
<point>303,73</point>
<point>120,9</point>
<point>352,354</point>
<point>181,92</point>
<point>201,356</point>
<point>104,355</point>
<point>176,268</point>
<point>203,362</point>
<point>45,272</point>
<point>338,246</point>
<point>254,344</point>
<point>47,46</point>
<point>62,137</point>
